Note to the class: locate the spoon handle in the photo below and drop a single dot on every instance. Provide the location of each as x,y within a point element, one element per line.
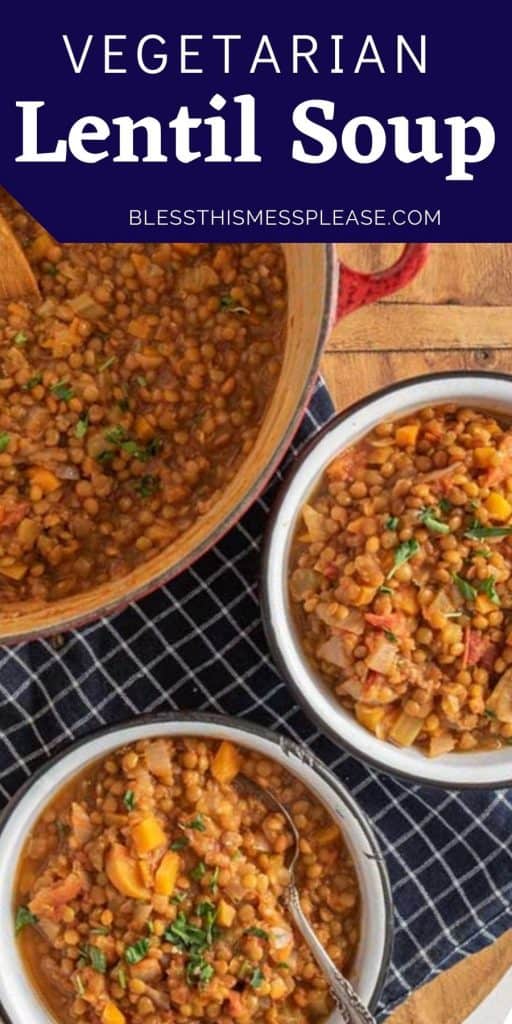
<point>347,1000</point>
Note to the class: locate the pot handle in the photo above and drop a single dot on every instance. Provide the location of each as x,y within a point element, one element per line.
<point>356,289</point>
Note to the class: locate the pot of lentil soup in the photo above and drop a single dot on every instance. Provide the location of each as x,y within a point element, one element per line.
<point>145,401</point>
<point>142,886</point>
<point>387,579</point>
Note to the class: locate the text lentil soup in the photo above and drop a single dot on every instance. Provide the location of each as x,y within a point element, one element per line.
<point>129,397</point>
<point>401,580</point>
<point>150,892</point>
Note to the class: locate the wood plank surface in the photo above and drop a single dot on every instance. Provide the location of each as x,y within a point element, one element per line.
<point>457,314</point>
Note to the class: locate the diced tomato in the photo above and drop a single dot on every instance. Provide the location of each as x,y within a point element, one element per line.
<point>475,647</point>
<point>12,513</point>
<point>331,571</point>
<point>394,622</point>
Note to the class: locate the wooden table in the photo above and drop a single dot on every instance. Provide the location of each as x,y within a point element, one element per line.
<point>457,314</point>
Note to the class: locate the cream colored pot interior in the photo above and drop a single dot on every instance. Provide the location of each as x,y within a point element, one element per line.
<point>310,276</point>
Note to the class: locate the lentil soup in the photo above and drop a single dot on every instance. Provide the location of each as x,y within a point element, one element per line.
<point>150,892</point>
<point>131,395</point>
<point>401,580</point>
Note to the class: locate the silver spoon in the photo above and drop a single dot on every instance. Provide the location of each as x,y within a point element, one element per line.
<point>346,998</point>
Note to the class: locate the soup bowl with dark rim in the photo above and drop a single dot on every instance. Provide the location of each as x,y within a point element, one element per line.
<point>19,1002</point>
<point>320,291</point>
<point>479,768</point>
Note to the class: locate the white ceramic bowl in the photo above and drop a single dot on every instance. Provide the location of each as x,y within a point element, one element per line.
<point>18,1002</point>
<point>492,391</point>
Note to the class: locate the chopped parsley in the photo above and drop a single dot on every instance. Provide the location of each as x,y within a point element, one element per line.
<point>488,587</point>
<point>62,391</point>
<point>100,931</point>
<point>478,532</point>
<point>24,916</point>
<point>392,523</point>
<point>32,382</point>
<point>106,455</point>
<point>116,435</point>
<point>129,800</point>
<point>464,587</point>
<point>256,978</point>
<point>178,898</point>
<point>195,941</point>
<point>198,970</point>
<point>227,302</point>
<point>51,269</point>
<point>198,872</point>
<point>388,633</point>
<point>137,952</point>
<point>180,843</point>
<point>4,440</point>
<point>107,364</point>
<point>93,956</point>
<point>489,713</point>
<point>147,486</point>
<point>445,505</point>
<point>214,881</point>
<point>197,824</point>
<point>259,933</point>
<point>428,518</point>
<point>482,553</point>
<point>82,426</point>
<point>20,339</point>
<point>385,590</point>
<point>403,553</point>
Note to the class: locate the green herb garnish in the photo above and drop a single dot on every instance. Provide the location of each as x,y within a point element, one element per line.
<point>489,713</point>
<point>100,931</point>
<point>403,553</point>
<point>51,269</point>
<point>82,426</point>
<point>385,590</point>
<point>477,532</point>
<point>198,970</point>
<point>197,824</point>
<point>95,957</point>
<point>445,505</point>
<point>141,381</point>
<point>228,303</point>
<point>33,382</point>
<point>115,435</point>
<point>129,800</point>
<point>427,517</point>
<point>179,844</point>
<point>108,362</point>
<point>147,486</point>
<point>258,933</point>
<point>488,587</point>
<point>482,552</point>
<point>62,391</point>
<point>178,898</point>
<point>24,916</point>
<point>107,455</point>
<point>122,980</point>
<point>137,952</point>
<point>4,440</point>
<point>464,587</point>
<point>214,881</point>
<point>388,633</point>
<point>198,872</point>
<point>256,978</point>
<point>392,523</point>
<point>20,339</point>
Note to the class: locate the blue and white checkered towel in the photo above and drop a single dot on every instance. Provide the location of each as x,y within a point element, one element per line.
<point>198,644</point>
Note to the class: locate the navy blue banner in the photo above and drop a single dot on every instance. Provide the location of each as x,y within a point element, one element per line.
<point>149,121</point>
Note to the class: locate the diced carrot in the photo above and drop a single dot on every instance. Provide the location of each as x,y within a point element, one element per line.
<point>484,456</point>
<point>225,914</point>
<point>16,571</point>
<point>148,835</point>
<point>226,763</point>
<point>498,507</point>
<point>369,716</point>
<point>112,1015</point>
<point>44,478</point>
<point>406,435</point>
<point>124,873</point>
<point>167,873</point>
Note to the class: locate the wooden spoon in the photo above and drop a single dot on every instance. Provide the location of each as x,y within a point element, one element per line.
<point>16,278</point>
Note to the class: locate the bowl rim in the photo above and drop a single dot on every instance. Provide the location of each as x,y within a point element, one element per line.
<point>288,747</point>
<point>264,591</point>
<point>18,634</point>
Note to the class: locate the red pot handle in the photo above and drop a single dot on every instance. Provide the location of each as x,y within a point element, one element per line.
<point>356,289</point>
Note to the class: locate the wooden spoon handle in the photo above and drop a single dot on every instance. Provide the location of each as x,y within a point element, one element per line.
<point>17,280</point>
